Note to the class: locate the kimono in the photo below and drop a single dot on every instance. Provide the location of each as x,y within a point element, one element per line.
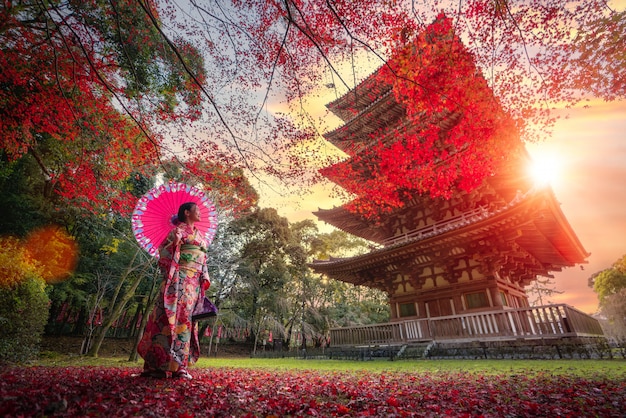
<point>170,341</point>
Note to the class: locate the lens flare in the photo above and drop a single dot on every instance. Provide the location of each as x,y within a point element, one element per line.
<point>53,252</point>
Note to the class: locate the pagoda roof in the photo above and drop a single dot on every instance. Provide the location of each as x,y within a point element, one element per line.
<point>385,118</point>
<point>351,222</point>
<point>358,129</point>
<point>534,223</point>
<point>360,97</point>
<point>505,184</point>
<point>357,135</point>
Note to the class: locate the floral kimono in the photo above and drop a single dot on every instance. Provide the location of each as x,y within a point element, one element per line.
<point>170,341</point>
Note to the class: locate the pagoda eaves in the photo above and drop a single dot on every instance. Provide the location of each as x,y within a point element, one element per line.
<point>528,237</point>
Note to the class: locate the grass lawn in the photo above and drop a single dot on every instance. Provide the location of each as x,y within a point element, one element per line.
<point>581,368</point>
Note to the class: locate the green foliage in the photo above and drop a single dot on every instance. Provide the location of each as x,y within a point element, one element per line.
<point>357,305</point>
<point>610,285</point>
<point>22,207</point>
<point>106,257</point>
<point>259,272</point>
<point>610,281</point>
<point>264,245</point>
<point>23,313</point>
<point>338,244</point>
<point>149,65</point>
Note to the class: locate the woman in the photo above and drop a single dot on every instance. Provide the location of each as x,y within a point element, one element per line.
<point>170,341</point>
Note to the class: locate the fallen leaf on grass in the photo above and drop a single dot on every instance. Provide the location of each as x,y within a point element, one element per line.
<point>97,391</point>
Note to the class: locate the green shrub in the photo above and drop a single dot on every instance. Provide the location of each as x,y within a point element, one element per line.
<point>23,316</point>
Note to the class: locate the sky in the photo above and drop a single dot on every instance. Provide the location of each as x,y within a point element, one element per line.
<point>586,155</point>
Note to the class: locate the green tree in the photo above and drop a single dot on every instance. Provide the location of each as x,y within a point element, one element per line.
<point>263,244</point>
<point>610,285</point>
<point>611,281</point>
<point>306,318</point>
<point>128,282</point>
<point>345,304</point>
<point>22,207</point>
<point>23,316</point>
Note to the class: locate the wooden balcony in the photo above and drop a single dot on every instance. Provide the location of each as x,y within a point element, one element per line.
<point>543,322</point>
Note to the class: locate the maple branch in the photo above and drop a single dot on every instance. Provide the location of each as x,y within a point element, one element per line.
<point>267,158</point>
<point>302,105</point>
<point>226,23</point>
<point>100,77</point>
<point>253,41</point>
<point>505,5</point>
<point>49,39</point>
<point>415,14</point>
<point>123,44</point>
<point>310,37</point>
<point>56,68</point>
<point>274,66</point>
<point>385,62</point>
<point>46,172</point>
<point>199,84</point>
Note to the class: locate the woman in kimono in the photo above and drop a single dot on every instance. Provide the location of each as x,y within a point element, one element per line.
<point>170,341</point>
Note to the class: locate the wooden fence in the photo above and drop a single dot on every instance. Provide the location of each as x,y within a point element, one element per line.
<point>550,321</point>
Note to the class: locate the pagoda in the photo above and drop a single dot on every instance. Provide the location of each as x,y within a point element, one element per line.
<point>474,252</point>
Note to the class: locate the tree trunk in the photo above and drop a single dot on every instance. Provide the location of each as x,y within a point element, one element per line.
<point>118,307</point>
<point>144,320</point>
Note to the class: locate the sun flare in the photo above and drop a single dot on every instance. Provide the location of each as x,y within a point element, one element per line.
<point>545,170</point>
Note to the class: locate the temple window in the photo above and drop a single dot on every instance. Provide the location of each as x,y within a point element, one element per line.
<point>407,309</point>
<point>477,300</point>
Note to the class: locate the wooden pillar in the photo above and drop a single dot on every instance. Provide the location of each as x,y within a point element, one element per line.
<point>421,309</point>
<point>495,297</point>
<point>394,309</point>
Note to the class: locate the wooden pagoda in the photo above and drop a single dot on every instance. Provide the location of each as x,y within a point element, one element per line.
<point>467,257</point>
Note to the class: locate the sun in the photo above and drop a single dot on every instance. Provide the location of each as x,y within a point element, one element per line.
<point>545,169</point>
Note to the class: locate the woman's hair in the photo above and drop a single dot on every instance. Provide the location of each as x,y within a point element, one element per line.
<point>182,209</point>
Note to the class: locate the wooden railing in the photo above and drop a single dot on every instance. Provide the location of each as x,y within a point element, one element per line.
<point>463,219</point>
<point>477,214</point>
<point>550,321</point>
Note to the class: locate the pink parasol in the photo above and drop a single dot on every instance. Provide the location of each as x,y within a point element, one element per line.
<point>155,213</point>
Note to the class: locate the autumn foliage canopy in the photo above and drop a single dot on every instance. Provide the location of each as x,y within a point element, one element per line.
<point>100,93</point>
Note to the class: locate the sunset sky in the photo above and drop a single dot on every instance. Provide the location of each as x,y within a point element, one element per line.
<point>590,151</point>
<point>587,152</point>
